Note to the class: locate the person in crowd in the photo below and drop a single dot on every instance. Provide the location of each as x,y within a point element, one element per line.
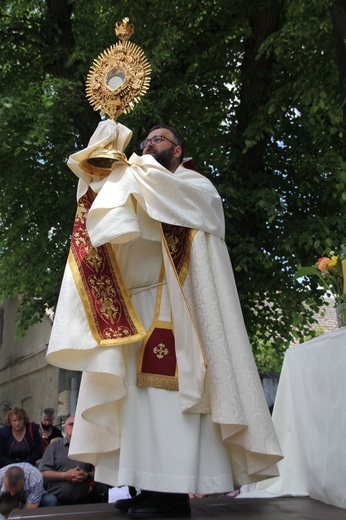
<point>7,504</point>
<point>24,482</point>
<point>20,439</point>
<point>170,399</point>
<point>66,481</point>
<point>47,429</point>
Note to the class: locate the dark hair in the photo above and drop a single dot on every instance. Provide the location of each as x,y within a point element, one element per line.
<point>48,412</point>
<point>8,503</point>
<point>177,136</point>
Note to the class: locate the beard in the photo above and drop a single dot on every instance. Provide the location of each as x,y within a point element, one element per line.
<point>165,157</point>
<point>46,426</point>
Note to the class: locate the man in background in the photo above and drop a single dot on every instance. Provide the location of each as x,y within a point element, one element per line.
<point>66,481</point>
<point>24,481</point>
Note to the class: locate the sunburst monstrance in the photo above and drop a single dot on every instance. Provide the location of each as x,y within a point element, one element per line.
<point>119,76</point>
<point>117,80</point>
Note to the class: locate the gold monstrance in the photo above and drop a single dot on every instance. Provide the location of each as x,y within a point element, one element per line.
<point>117,80</point>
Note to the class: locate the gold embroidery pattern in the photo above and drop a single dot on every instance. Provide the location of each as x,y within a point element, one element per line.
<point>172,242</point>
<point>160,351</point>
<point>108,308</point>
<point>179,240</point>
<point>91,256</point>
<point>104,292</point>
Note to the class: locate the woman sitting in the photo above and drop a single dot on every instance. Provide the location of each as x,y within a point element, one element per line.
<point>20,439</point>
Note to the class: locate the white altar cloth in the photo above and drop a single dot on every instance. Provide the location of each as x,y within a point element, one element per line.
<point>310,420</point>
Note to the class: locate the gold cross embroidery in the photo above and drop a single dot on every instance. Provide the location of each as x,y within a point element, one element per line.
<point>160,351</point>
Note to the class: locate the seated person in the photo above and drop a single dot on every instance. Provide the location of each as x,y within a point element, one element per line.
<point>66,481</point>
<point>20,439</point>
<point>25,482</point>
<point>47,429</point>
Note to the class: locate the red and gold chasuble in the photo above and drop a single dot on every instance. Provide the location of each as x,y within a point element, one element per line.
<point>107,303</point>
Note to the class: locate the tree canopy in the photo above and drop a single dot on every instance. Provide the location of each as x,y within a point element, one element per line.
<point>254,89</point>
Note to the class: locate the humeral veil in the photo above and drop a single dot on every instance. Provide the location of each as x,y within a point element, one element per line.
<point>149,312</point>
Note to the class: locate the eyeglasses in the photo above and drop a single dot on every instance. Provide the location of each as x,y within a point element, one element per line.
<point>156,139</point>
<point>69,424</point>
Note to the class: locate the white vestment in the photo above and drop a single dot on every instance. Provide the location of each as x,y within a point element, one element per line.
<point>215,432</point>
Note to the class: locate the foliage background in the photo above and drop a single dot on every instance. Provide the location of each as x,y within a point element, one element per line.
<point>254,88</point>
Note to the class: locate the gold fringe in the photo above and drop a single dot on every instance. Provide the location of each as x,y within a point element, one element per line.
<point>158,381</point>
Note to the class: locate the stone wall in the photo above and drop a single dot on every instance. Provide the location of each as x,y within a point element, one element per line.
<point>25,377</point>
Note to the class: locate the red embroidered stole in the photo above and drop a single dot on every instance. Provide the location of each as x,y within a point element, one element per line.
<point>179,240</point>
<point>106,301</point>
<point>157,364</point>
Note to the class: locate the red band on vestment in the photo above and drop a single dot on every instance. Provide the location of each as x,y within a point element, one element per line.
<point>107,304</point>
<point>179,240</point>
<point>157,365</point>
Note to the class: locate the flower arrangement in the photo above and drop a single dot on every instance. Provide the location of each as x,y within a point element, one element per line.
<point>331,271</point>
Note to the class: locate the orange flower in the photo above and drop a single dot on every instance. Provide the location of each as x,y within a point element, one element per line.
<point>331,271</point>
<point>323,263</point>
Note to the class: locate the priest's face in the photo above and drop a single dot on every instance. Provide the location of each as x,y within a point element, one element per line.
<point>160,144</point>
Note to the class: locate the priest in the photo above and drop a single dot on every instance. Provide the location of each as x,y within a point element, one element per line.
<point>170,400</point>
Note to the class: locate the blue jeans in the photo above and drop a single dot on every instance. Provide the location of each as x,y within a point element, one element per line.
<point>49,500</point>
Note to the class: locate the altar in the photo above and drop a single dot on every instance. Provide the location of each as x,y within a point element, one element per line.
<point>310,419</point>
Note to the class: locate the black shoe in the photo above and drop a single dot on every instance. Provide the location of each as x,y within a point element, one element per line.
<point>162,505</point>
<point>125,503</point>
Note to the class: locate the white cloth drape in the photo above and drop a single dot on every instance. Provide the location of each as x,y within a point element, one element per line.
<point>214,432</point>
<point>310,423</point>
